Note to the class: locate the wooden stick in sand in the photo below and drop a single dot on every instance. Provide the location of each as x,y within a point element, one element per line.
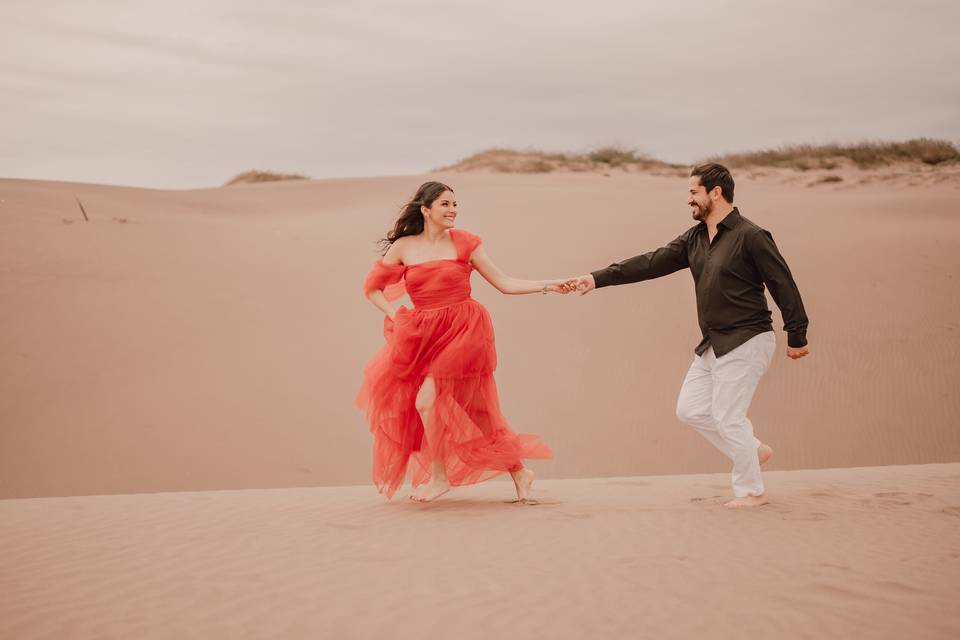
<point>82,210</point>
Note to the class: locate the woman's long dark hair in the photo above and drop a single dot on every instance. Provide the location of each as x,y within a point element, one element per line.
<point>410,222</point>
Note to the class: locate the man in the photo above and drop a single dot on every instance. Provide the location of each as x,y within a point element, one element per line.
<point>731,259</point>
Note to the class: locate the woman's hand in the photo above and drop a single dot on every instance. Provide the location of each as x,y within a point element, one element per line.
<point>583,284</point>
<point>556,286</point>
<point>394,312</point>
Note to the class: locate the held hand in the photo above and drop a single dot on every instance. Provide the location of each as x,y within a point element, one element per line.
<point>795,353</point>
<point>556,286</point>
<point>569,285</point>
<point>586,284</point>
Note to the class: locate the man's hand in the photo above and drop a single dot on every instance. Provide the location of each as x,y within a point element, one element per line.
<point>583,284</point>
<point>797,353</point>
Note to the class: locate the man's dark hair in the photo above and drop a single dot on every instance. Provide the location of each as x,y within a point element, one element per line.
<point>712,175</point>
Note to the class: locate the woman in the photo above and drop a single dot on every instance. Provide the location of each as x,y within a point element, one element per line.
<point>429,393</point>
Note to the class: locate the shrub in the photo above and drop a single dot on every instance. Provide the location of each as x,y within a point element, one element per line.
<point>263,176</point>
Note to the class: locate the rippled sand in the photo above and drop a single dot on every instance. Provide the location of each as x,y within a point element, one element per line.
<point>841,553</point>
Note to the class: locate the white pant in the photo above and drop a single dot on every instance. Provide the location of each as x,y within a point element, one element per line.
<point>714,400</point>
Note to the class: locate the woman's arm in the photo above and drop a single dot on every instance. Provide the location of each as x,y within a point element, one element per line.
<point>380,302</point>
<point>506,284</point>
<point>376,296</point>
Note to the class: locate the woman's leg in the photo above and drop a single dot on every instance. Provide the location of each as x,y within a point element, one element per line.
<point>522,480</point>
<point>438,484</point>
<point>522,476</point>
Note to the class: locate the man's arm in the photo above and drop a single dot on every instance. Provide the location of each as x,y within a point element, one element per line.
<point>657,263</point>
<point>776,275</point>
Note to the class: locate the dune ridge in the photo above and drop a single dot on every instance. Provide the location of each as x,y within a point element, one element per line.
<point>914,162</point>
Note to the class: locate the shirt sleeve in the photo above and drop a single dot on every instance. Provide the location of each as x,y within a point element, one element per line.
<point>660,262</point>
<point>779,281</point>
<point>387,278</point>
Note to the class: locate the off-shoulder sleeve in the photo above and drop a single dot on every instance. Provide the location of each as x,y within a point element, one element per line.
<point>387,278</point>
<point>466,243</point>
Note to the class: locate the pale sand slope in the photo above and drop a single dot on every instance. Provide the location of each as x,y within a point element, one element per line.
<point>216,339</point>
<point>842,553</point>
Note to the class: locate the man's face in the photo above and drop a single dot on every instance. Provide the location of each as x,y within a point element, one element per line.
<point>699,201</point>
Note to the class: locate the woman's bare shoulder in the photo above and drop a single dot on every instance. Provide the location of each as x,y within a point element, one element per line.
<point>397,251</point>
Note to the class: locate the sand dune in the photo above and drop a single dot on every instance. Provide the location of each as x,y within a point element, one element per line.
<point>841,553</point>
<point>187,341</point>
<point>215,339</point>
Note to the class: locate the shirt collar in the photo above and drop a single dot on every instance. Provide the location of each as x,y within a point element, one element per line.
<point>731,220</point>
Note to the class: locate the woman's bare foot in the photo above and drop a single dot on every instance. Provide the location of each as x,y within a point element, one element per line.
<point>747,502</point>
<point>522,480</point>
<point>764,452</point>
<point>432,490</point>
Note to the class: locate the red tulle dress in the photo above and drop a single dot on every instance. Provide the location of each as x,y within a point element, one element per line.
<point>447,335</point>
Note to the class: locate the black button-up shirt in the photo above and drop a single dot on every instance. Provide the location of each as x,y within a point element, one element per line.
<point>729,275</point>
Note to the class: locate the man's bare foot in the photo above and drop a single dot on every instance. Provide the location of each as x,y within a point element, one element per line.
<point>764,452</point>
<point>431,491</point>
<point>747,501</point>
<point>522,480</point>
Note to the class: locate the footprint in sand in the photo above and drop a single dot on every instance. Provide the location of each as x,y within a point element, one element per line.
<point>952,511</point>
<point>899,587</point>
<point>890,503</point>
<point>700,499</point>
<point>893,499</point>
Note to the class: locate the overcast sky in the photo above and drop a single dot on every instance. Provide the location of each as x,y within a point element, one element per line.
<point>172,95</point>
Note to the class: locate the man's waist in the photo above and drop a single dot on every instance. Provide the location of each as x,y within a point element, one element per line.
<point>713,326</point>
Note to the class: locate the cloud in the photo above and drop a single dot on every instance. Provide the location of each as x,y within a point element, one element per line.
<point>182,95</point>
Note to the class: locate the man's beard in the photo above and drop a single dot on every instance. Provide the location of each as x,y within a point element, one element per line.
<point>700,214</point>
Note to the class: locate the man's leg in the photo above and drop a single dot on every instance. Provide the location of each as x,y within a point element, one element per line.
<point>735,379</point>
<point>695,402</point>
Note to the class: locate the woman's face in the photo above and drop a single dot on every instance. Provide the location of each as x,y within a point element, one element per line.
<point>443,211</point>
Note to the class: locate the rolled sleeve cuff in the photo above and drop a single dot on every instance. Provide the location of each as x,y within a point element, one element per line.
<point>601,278</point>
<point>797,339</point>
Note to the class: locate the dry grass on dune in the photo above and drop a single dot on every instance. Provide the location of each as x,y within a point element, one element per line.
<point>916,162</point>
<point>865,155</point>
<point>499,160</point>
<point>248,177</point>
<point>920,152</point>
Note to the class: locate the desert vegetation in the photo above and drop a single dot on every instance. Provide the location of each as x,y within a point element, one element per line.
<point>248,177</point>
<point>865,155</point>
<point>601,159</point>
<point>827,157</point>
